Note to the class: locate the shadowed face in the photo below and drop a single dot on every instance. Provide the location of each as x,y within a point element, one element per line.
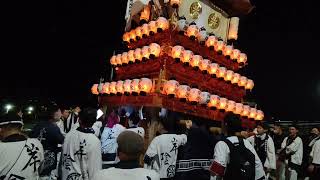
<point>293,131</point>
<point>260,130</point>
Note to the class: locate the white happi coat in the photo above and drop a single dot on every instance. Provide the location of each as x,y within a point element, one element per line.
<point>96,127</point>
<point>222,156</point>
<point>21,160</point>
<point>162,152</point>
<point>109,138</point>
<point>138,130</point>
<point>270,162</point>
<point>295,147</point>
<point>127,174</point>
<point>81,156</point>
<point>315,153</point>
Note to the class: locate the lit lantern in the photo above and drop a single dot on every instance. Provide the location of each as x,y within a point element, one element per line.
<point>219,47</point>
<point>260,115</point>
<point>119,88</point>
<point>186,57</point>
<point>145,53</point>
<point>203,65</point>
<point>192,32</point>
<point>249,84</point>
<point>213,69</point>
<point>105,88</point>
<point>253,113</point>
<point>223,104</point>
<point>246,111</point>
<point>127,87</point>
<point>204,98</point>
<point>145,30</point>
<point>211,42</point>
<point>242,81</point>
<point>221,72</point>
<point>162,24</point>
<point>113,60</point>
<point>194,96</point>
<point>182,92</point>
<point>154,50</point>
<point>239,108</point>
<point>138,55</point>
<point>242,59</point>
<point>145,15</point>
<point>229,75</point>
<point>194,62</point>
<point>214,101</point>
<point>152,27</point>
<point>94,89</point>
<point>176,53</point>
<point>233,28</point>
<point>175,3</point>
<point>126,37</point>
<point>135,90</point>
<point>145,86</point>
<point>236,78</point>
<point>231,105</point>
<point>131,57</point>
<point>112,88</point>
<point>132,34</point>
<point>170,88</point>
<point>227,51</point>
<point>124,58</point>
<point>119,59</point>
<point>235,54</point>
<point>138,32</point>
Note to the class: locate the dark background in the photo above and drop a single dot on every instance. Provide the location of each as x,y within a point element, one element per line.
<point>58,49</point>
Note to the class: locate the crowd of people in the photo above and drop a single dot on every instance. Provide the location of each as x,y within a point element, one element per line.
<point>125,143</point>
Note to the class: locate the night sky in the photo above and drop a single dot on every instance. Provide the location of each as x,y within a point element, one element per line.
<point>57,49</point>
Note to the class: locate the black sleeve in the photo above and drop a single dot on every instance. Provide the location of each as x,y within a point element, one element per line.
<point>55,135</point>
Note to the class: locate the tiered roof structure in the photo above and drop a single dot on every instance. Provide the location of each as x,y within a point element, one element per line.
<point>180,57</point>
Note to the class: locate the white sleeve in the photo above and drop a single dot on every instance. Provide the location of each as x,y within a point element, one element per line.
<point>293,147</point>
<point>251,140</point>
<point>284,143</point>
<point>94,159</point>
<point>221,153</point>
<point>315,153</point>
<point>271,155</point>
<point>182,139</point>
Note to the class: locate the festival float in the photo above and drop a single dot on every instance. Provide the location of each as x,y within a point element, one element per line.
<point>181,55</point>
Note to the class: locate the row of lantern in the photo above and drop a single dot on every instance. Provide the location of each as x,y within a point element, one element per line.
<point>135,87</point>
<point>173,89</point>
<point>140,54</point>
<point>205,65</point>
<point>219,46</point>
<point>145,30</point>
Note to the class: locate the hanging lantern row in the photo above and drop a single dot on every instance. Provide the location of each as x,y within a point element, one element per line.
<point>172,88</point>
<point>212,42</point>
<point>145,30</point>
<point>135,87</point>
<point>197,62</point>
<point>138,55</point>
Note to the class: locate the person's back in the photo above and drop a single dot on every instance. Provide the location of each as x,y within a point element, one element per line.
<point>81,156</point>
<point>20,156</point>
<point>130,148</point>
<point>224,155</point>
<point>130,174</point>
<point>80,149</point>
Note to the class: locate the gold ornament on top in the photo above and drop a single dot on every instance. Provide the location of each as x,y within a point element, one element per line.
<point>213,21</point>
<point>195,10</point>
